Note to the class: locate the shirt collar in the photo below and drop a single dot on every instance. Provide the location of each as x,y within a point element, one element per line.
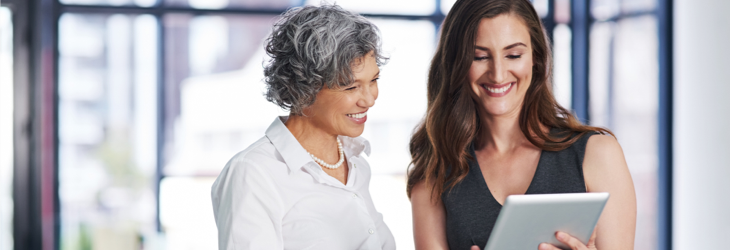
<point>355,146</point>
<point>295,156</point>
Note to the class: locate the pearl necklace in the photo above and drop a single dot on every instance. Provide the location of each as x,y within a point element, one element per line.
<point>331,166</point>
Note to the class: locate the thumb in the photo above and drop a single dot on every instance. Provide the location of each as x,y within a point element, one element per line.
<point>592,240</point>
<point>474,247</point>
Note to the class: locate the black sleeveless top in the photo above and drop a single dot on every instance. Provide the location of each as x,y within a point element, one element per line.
<point>471,210</point>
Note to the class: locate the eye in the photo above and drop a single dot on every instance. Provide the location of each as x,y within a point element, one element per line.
<point>375,80</point>
<point>481,58</point>
<point>351,88</point>
<point>514,56</point>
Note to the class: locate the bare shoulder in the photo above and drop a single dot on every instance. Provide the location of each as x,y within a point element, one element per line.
<point>603,149</point>
<point>603,143</point>
<point>420,191</point>
<point>604,163</point>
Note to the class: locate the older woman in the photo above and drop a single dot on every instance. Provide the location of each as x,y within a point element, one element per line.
<point>493,129</point>
<point>304,185</point>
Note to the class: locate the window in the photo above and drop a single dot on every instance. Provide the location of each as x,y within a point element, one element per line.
<point>107,130</point>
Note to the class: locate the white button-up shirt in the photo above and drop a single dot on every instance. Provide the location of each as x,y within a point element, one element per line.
<point>272,195</point>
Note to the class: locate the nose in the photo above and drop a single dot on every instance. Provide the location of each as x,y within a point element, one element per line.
<point>498,71</point>
<point>369,94</point>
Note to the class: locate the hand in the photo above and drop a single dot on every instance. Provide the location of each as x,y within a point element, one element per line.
<point>474,247</point>
<point>571,241</point>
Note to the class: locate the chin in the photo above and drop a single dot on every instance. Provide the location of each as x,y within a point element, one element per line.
<point>497,109</point>
<point>353,132</point>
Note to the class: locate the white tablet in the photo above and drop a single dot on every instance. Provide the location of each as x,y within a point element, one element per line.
<point>525,221</point>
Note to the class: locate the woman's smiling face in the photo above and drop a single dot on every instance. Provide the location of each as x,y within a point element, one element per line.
<point>344,111</point>
<point>502,68</point>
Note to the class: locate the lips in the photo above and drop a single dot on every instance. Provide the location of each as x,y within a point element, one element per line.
<point>498,90</point>
<point>358,118</point>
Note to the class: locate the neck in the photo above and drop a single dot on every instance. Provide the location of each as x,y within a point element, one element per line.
<point>313,137</point>
<point>502,134</point>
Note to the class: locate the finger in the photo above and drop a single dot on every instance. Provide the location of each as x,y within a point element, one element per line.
<point>546,246</point>
<point>474,247</point>
<point>571,241</point>
<point>592,240</point>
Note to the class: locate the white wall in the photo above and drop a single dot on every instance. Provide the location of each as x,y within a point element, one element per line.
<point>702,124</point>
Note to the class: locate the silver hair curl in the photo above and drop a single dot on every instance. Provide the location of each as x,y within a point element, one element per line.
<point>313,46</point>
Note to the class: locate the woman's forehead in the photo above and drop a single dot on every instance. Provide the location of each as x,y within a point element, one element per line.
<point>501,31</point>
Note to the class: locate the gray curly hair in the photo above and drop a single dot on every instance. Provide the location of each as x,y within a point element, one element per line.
<point>313,46</point>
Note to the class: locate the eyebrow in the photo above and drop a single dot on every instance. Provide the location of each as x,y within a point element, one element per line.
<point>505,48</point>
<point>376,75</point>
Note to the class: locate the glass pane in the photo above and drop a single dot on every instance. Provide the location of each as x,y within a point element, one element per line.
<point>402,92</point>
<point>541,7</point>
<point>389,197</point>
<point>107,130</point>
<point>186,213</point>
<point>623,86</point>
<point>562,77</point>
<point>400,7</point>
<point>604,9</point>
<point>446,6</point>
<point>140,3</point>
<point>600,76</point>
<point>400,106</point>
<point>6,129</point>
<point>222,4</point>
<point>635,105</point>
<point>214,79</point>
<point>562,11</point>
<point>628,6</point>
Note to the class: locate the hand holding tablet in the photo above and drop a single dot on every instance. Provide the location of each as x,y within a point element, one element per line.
<point>571,241</point>
<point>526,221</point>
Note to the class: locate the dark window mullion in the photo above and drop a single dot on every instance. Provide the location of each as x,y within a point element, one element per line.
<point>549,21</point>
<point>665,147</point>
<point>580,23</point>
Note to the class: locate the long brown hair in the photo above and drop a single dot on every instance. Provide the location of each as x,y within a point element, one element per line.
<point>452,119</point>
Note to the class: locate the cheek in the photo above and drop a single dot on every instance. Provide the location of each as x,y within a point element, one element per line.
<point>475,72</point>
<point>329,104</point>
<point>524,69</point>
<point>345,104</point>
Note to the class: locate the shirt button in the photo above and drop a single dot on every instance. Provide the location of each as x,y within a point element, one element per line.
<point>354,195</point>
<point>354,165</point>
<point>371,231</point>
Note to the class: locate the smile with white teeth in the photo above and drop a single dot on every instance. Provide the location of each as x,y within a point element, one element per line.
<point>358,116</point>
<point>498,90</point>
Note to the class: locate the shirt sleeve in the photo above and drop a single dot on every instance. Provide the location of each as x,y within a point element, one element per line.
<point>247,207</point>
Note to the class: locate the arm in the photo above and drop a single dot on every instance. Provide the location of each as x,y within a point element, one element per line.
<point>605,170</point>
<point>247,208</point>
<point>429,219</point>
